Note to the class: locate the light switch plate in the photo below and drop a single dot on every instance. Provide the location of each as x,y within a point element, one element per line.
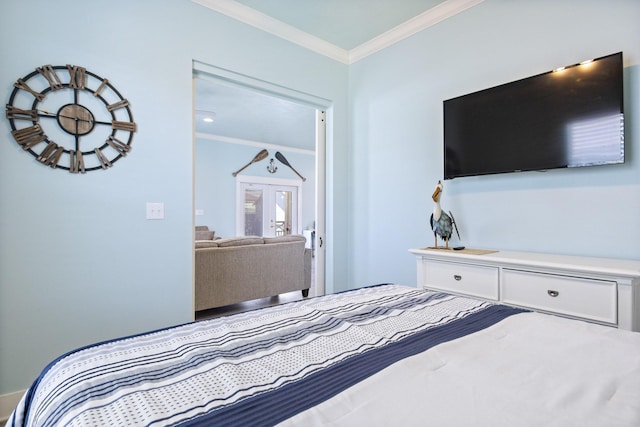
<point>155,210</point>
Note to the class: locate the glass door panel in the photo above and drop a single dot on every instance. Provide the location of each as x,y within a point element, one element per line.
<point>253,212</point>
<point>283,213</point>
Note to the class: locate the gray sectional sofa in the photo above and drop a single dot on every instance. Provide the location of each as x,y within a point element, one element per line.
<point>229,271</point>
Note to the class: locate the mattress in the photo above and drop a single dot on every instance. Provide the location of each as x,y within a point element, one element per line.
<point>382,355</point>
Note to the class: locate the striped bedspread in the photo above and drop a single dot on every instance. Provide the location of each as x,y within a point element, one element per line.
<point>255,368</point>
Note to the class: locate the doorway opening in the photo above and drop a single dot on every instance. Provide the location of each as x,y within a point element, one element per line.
<point>286,205</point>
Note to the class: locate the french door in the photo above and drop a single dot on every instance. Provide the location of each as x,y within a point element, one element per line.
<point>267,207</point>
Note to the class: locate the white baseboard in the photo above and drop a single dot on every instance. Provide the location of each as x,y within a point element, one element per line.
<point>8,403</point>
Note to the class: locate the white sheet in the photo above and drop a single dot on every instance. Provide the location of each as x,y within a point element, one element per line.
<point>528,370</point>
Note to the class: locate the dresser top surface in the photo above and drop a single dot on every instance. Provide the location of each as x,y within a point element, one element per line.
<point>623,267</point>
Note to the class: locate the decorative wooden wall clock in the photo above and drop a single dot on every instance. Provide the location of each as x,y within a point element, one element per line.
<point>70,118</point>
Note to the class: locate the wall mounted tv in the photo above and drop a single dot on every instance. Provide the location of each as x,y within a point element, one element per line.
<point>569,117</point>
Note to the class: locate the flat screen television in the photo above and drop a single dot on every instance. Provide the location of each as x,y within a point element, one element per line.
<point>568,117</point>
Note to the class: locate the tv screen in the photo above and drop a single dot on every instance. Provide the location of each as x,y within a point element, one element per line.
<point>568,117</point>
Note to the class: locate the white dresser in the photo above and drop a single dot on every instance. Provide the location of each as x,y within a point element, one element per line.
<point>600,290</point>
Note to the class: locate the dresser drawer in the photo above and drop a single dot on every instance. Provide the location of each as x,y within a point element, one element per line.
<point>587,298</point>
<point>462,278</point>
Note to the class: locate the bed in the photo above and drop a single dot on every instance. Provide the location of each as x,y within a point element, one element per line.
<point>385,355</point>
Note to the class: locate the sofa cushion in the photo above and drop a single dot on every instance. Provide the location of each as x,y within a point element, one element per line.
<point>287,238</point>
<point>205,235</point>
<point>206,244</point>
<point>240,241</point>
<point>202,228</point>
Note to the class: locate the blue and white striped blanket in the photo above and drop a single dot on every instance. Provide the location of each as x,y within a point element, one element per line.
<point>255,368</point>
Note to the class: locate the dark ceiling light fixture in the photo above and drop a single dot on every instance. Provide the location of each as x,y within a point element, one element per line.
<point>260,156</point>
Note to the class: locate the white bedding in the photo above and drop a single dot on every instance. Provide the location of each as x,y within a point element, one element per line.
<point>458,362</point>
<point>528,370</point>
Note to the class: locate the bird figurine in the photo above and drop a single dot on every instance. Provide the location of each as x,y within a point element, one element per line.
<point>441,223</point>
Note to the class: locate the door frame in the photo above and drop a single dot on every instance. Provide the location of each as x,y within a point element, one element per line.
<point>324,109</point>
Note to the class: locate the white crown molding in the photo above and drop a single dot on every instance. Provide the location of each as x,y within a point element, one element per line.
<point>278,28</point>
<point>250,143</point>
<point>285,31</point>
<point>408,28</point>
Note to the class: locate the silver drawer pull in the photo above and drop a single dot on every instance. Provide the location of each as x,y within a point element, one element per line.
<point>457,277</point>
<point>553,293</point>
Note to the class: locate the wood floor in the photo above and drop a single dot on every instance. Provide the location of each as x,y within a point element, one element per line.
<point>250,305</point>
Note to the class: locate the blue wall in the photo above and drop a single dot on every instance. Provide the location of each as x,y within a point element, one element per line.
<point>396,126</point>
<point>78,260</point>
<point>215,187</point>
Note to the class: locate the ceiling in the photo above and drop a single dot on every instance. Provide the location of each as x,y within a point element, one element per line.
<point>344,23</point>
<point>248,117</point>
<point>344,30</point>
